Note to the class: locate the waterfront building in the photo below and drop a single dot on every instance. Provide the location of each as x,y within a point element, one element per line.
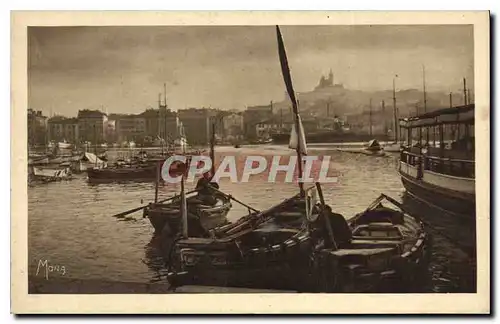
<point>130,128</point>
<point>233,125</point>
<point>62,128</point>
<point>197,124</point>
<point>37,128</point>
<point>92,126</point>
<point>162,123</point>
<point>254,115</point>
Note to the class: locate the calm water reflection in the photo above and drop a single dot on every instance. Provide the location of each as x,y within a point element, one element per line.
<point>70,222</point>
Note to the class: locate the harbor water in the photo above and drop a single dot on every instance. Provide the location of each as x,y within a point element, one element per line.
<point>70,223</point>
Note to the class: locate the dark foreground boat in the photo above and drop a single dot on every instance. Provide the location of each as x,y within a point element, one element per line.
<point>289,248</point>
<point>167,218</point>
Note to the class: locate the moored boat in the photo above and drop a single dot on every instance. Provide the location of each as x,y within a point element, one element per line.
<point>38,174</point>
<point>166,218</point>
<point>64,145</point>
<point>441,176</point>
<point>257,251</point>
<point>274,250</point>
<point>140,172</point>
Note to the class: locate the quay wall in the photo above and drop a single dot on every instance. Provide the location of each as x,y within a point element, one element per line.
<point>40,285</point>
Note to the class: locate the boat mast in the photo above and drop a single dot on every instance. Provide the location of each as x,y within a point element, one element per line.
<point>425,105</point>
<point>370,116</point>
<point>159,135</point>
<point>396,131</point>
<point>281,120</point>
<point>95,144</point>
<point>385,120</point>
<point>465,92</point>
<point>425,93</point>
<point>212,149</point>
<point>291,93</point>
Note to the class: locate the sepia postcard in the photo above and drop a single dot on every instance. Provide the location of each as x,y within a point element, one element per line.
<point>250,162</point>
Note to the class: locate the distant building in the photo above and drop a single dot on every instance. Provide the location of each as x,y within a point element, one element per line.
<point>252,116</point>
<point>37,128</point>
<point>197,124</point>
<point>276,124</point>
<point>110,132</point>
<point>130,128</point>
<point>381,122</point>
<point>160,123</point>
<point>233,125</point>
<point>63,129</point>
<point>92,126</point>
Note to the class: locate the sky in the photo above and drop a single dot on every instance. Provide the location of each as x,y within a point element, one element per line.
<point>122,69</point>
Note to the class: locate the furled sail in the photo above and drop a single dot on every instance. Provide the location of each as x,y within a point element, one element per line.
<point>294,138</point>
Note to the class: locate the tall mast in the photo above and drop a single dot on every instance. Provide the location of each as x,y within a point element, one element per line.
<point>396,137</point>
<point>451,102</point>
<point>291,93</point>
<point>212,148</point>
<point>327,109</point>
<point>465,92</point>
<point>383,114</point>
<point>370,116</point>
<point>469,101</point>
<point>425,93</point>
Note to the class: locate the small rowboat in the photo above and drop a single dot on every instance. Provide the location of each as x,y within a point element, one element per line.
<point>260,250</point>
<point>383,244</point>
<point>387,244</point>
<point>166,218</point>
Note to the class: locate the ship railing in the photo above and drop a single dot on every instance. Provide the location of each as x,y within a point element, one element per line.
<point>443,165</point>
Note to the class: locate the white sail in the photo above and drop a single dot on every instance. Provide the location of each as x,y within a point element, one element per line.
<point>294,138</point>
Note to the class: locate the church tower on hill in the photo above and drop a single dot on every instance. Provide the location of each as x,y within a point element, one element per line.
<point>327,82</point>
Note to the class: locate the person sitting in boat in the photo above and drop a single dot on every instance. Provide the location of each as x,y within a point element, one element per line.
<point>341,231</point>
<point>206,194</point>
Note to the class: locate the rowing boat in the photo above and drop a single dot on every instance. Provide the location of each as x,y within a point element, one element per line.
<point>166,218</point>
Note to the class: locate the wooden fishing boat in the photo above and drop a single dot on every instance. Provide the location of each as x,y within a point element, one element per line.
<point>257,251</point>
<point>64,145</point>
<point>285,251</point>
<point>166,218</point>
<point>138,172</point>
<point>388,245</point>
<point>43,175</point>
<point>363,151</point>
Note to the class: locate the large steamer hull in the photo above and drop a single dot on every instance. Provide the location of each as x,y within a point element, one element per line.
<point>457,203</point>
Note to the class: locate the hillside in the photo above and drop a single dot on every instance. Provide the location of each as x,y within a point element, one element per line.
<point>336,100</point>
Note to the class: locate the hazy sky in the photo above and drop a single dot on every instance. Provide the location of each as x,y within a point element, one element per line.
<point>122,69</point>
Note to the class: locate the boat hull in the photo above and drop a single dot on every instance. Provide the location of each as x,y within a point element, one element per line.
<point>123,174</point>
<point>328,137</point>
<point>200,219</point>
<point>457,203</point>
<point>63,145</point>
<point>385,245</point>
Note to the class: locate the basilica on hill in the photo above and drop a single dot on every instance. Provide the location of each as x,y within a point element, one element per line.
<point>327,82</point>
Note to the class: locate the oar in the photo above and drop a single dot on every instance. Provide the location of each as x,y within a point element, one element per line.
<point>231,197</point>
<point>142,207</point>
